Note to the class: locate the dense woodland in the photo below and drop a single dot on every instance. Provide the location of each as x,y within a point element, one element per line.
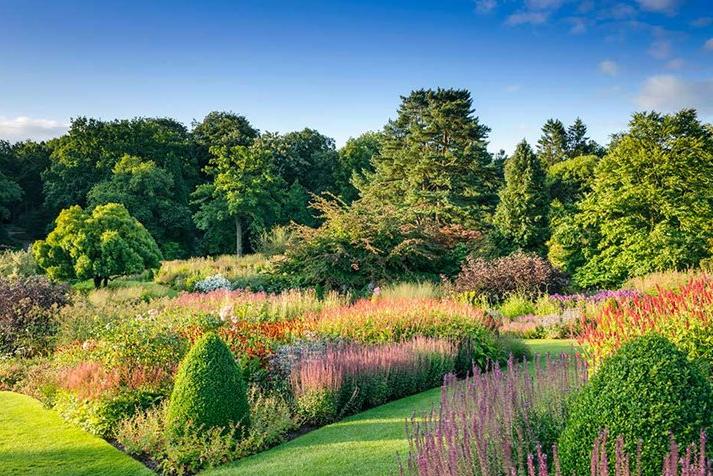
<point>411,201</point>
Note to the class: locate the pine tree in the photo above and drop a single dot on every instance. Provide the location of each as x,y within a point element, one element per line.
<point>552,146</point>
<point>577,140</point>
<point>521,215</point>
<point>433,163</point>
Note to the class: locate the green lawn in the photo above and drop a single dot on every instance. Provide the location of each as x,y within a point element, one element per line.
<point>35,441</point>
<point>365,444</point>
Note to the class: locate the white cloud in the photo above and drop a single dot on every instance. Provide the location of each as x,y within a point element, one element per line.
<point>676,63</point>
<point>708,45</point>
<point>513,88</point>
<point>609,67</point>
<point>485,6</point>
<point>543,4</point>
<point>669,93</point>
<point>579,26</point>
<point>522,18</point>
<point>22,127</point>
<point>667,6</point>
<point>660,49</point>
<point>702,22</point>
<point>619,11</point>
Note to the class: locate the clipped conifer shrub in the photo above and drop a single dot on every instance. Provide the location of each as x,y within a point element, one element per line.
<point>644,393</point>
<point>209,391</point>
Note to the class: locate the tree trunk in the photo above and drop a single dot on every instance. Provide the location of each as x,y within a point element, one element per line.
<point>238,237</point>
<point>97,282</point>
<point>106,282</point>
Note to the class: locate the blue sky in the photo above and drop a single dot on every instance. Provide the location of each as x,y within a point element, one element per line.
<point>340,66</point>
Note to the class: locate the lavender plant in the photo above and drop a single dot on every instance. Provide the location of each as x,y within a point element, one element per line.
<point>492,422</point>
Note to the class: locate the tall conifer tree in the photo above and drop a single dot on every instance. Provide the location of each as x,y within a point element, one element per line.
<point>552,146</point>
<point>433,163</point>
<point>521,216</point>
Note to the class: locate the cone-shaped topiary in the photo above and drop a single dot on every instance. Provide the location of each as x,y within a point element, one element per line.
<point>209,390</point>
<point>645,392</point>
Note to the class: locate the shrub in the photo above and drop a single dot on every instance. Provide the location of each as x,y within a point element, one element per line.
<point>212,283</point>
<point>684,316</point>
<point>516,305</point>
<point>17,264</point>
<point>101,416</point>
<point>489,423</point>
<point>521,273</point>
<point>645,391</point>
<point>144,435</point>
<point>274,242</point>
<point>28,315</point>
<point>209,390</point>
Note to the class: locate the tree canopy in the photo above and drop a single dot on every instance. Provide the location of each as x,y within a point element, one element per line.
<point>651,205</point>
<point>521,215</point>
<point>433,162</point>
<point>102,244</point>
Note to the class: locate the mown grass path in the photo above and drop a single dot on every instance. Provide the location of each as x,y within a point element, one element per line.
<point>364,444</point>
<point>36,441</point>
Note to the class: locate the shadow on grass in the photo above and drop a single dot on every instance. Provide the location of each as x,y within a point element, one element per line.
<point>65,462</point>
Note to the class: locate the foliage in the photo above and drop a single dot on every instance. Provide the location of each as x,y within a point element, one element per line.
<point>101,244</point>
<point>521,214</point>
<point>355,159</point>
<point>651,208</point>
<point>17,264</point>
<point>28,315</point>
<point>645,392</point>
<point>209,390</point>
<point>552,146</point>
<point>274,242</point>
<point>516,305</point>
<point>433,163</point>
<point>518,273</point>
<point>87,154</point>
<point>653,283</point>
<point>347,378</point>
<point>246,187</point>
<point>183,275</point>
<point>419,289</point>
<point>398,319</point>
<point>148,193</point>
<point>683,316</point>
<point>143,435</point>
<point>366,243</point>
<point>489,423</point>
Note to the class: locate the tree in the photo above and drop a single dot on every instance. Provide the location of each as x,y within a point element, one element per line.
<point>521,215</point>
<point>578,143</point>
<point>101,245</point>
<point>87,154</point>
<point>148,192</point>
<point>552,146</point>
<point>221,129</point>
<point>433,163</point>
<point>355,158</point>
<point>304,159</point>
<point>651,206</point>
<point>245,187</point>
